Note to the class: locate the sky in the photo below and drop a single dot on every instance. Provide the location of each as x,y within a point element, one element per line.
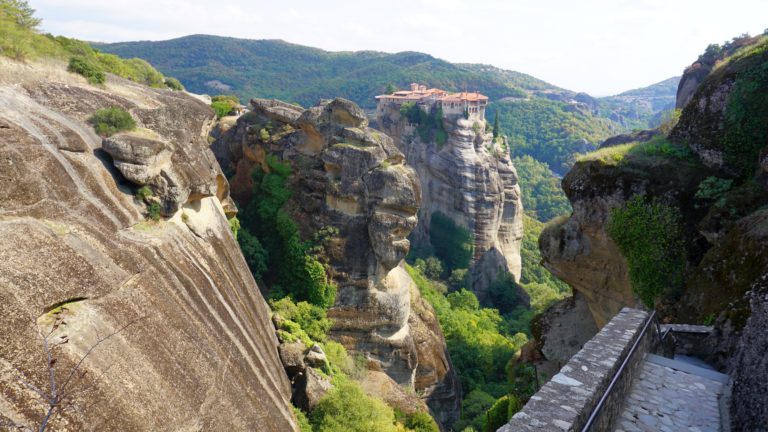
<point>601,47</point>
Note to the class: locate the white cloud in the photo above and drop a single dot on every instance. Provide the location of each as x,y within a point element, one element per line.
<point>598,46</point>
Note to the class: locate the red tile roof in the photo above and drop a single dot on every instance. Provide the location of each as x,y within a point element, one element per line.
<point>442,95</point>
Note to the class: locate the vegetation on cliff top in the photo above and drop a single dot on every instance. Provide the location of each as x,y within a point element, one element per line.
<point>109,121</point>
<point>20,39</point>
<point>224,104</point>
<point>747,111</point>
<point>657,150</point>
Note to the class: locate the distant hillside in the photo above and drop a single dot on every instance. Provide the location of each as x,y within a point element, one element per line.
<point>278,69</point>
<point>640,108</point>
<point>544,121</point>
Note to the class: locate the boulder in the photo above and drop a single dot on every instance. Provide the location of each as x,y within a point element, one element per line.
<point>310,387</point>
<point>292,356</point>
<point>316,357</point>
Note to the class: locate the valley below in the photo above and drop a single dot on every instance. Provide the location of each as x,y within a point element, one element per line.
<point>219,234</point>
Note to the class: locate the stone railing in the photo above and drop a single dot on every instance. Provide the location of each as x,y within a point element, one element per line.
<point>568,400</point>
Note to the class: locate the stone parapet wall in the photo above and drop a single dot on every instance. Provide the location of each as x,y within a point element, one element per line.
<point>568,399</point>
<point>687,339</point>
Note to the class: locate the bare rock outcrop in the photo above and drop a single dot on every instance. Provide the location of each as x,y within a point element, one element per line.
<point>350,177</point>
<point>749,365</point>
<point>472,180</point>
<point>698,71</point>
<point>79,262</point>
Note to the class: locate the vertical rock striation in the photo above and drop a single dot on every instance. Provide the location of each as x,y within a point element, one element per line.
<point>199,351</point>
<point>471,180</point>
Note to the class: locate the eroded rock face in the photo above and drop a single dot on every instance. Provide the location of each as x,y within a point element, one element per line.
<point>353,178</point>
<point>724,238</point>
<point>579,249</point>
<point>471,180</point>
<point>199,352</point>
<point>560,332</point>
<point>695,74</point>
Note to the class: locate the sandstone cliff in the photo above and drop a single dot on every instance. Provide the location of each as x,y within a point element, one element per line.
<point>79,261</point>
<point>352,178</point>
<point>723,234</point>
<point>472,180</point>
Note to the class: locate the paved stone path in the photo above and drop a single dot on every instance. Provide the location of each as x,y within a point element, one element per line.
<point>672,397</point>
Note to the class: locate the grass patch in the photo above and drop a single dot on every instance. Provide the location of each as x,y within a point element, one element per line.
<point>658,149</point>
<point>608,155</point>
<point>148,226</point>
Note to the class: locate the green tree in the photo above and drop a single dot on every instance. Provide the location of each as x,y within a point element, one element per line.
<point>390,89</point>
<point>500,413</point>
<point>224,104</point>
<point>496,124</point>
<point>89,69</point>
<point>452,242</point>
<point>312,318</point>
<point>21,13</point>
<point>421,422</point>
<point>253,252</point>
<point>543,198</point>
<point>463,299</point>
<point>173,84</point>
<point>433,268</point>
<point>474,406</point>
<point>504,293</point>
<point>304,425</point>
<point>347,409</point>
<point>459,278</point>
<point>290,268</point>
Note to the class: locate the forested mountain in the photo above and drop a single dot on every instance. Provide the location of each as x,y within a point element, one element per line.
<point>641,108</point>
<point>278,69</point>
<point>281,70</point>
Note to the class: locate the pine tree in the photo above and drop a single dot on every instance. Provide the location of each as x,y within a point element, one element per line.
<point>21,12</point>
<point>390,89</point>
<point>496,125</point>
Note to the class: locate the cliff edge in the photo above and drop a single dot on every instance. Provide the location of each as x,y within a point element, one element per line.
<point>152,324</point>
